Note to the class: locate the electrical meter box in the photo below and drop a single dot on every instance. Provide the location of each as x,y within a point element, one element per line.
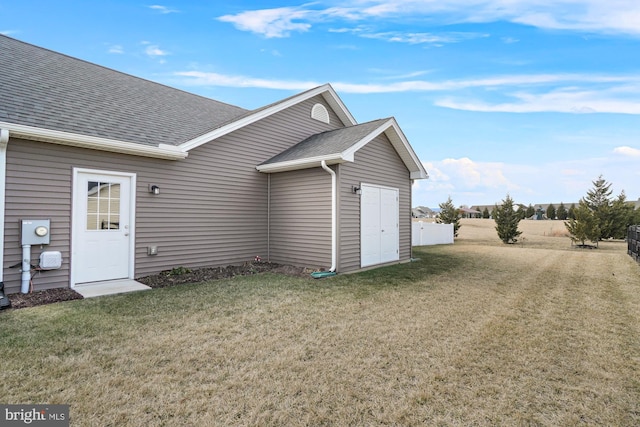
<point>35,231</point>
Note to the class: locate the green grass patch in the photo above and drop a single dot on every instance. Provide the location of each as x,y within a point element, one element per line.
<point>466,335</point>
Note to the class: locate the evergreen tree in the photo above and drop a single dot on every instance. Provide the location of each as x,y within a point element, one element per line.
<point>485,213</point>
<point>561,212</point>
<point>613,215</point>
<point>598,200</point>
<point>571,213</point>
<point>507,220</point>
<point>635,217</point>
<point>449,214</point>
<point>584,226</point>
<point>522,211</point>
<point>551,212</point>
<point>621,216</point>
<point>599,195</point>
<point>531,211</point>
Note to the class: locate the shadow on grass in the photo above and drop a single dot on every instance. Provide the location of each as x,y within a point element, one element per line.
<point>140,308</point>
<point>428,262</point>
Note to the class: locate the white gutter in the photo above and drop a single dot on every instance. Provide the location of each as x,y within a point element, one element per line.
<point>163,151</point>
<point>306,163</point>
<point>334,216</point>
<point>4,140</point>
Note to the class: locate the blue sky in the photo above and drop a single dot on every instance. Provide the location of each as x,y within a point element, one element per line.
<point>531,98</point>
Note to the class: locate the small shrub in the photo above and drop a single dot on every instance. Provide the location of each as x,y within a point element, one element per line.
<point>179,271</point>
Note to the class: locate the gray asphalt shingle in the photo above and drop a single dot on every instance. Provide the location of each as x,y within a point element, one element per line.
<point>327,143</point>
<point>46,89</point>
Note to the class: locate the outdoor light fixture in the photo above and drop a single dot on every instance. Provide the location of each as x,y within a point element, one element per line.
<point>154,189</point>
<point>356,190</point>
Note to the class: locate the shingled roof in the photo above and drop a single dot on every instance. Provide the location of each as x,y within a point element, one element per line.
<point>49,90</point>
<point>327,143</point>
<point>340,145</point>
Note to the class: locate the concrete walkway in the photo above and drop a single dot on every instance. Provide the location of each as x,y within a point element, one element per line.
<point>110,287</point>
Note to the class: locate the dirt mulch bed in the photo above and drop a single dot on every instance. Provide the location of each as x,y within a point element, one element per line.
<point>47,296</point>
<point>176,276</point>
<point>182,275</point>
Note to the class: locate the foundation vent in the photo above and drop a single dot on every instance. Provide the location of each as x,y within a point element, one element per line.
<point>319,112</point>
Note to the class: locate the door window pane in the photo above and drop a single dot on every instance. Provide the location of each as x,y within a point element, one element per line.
<point>103,205</point>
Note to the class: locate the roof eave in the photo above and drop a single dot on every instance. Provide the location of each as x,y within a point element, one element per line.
<point>162,151</point>
<point>310,162</point>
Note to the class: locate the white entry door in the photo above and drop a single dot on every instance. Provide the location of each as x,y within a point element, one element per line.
<point>379,231</point>
<point>102,226</point>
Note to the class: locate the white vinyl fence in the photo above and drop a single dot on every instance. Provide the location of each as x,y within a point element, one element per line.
<point>429,233</point>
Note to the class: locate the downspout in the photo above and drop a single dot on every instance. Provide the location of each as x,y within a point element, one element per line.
<point>334,216</point>
<point>4,141</point>
<point>268,217</point>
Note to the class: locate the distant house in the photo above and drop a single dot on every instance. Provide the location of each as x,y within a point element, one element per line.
<point>422,212</point>
<point>470,213</point>
<point>137,177</point>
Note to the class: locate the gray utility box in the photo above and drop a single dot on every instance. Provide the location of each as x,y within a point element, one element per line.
<point>35,231</point>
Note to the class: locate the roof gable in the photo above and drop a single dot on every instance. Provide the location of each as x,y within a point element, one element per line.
<point>327,92</point>
<point>340,145</point>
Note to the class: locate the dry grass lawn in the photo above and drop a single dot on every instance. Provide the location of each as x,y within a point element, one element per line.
<point>475,333</point>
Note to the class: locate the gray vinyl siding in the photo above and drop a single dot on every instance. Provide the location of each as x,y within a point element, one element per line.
<point>211,210</point>
<point>377,163</point>
<point>300,218</point>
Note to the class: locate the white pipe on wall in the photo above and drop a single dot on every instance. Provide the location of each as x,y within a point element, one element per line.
<point>26,269</point>
<point>4,140</point>
<point>334,216</point>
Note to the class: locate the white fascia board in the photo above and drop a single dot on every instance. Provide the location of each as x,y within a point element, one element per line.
<point>325,90</point>
<point>310,162</point>
<point>418,175</point>
<point>417,171</point>
<point>338,106</point>
<point>367,139</point>
<point>163,151</point>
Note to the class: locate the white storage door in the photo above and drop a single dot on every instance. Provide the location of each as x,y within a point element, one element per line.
<point>379,231</point>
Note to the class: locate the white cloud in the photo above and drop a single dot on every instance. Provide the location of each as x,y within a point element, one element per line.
<point>617,16</point>
<point>273,52</point>
<point>509,40</point>
<point>476,174</point>
<point>468,174</point>
<point>627,151</point>
<point>270,23</point>
<point>198,78</point>
<point>472,182</point>
<point>570,100</point>
<point>466,181</point>
<point>162,9</point>
<point>116,49</point>
<point>155,51</point>
<point>616,94</point>
<point>424,38</point>
<point>9,32</point>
